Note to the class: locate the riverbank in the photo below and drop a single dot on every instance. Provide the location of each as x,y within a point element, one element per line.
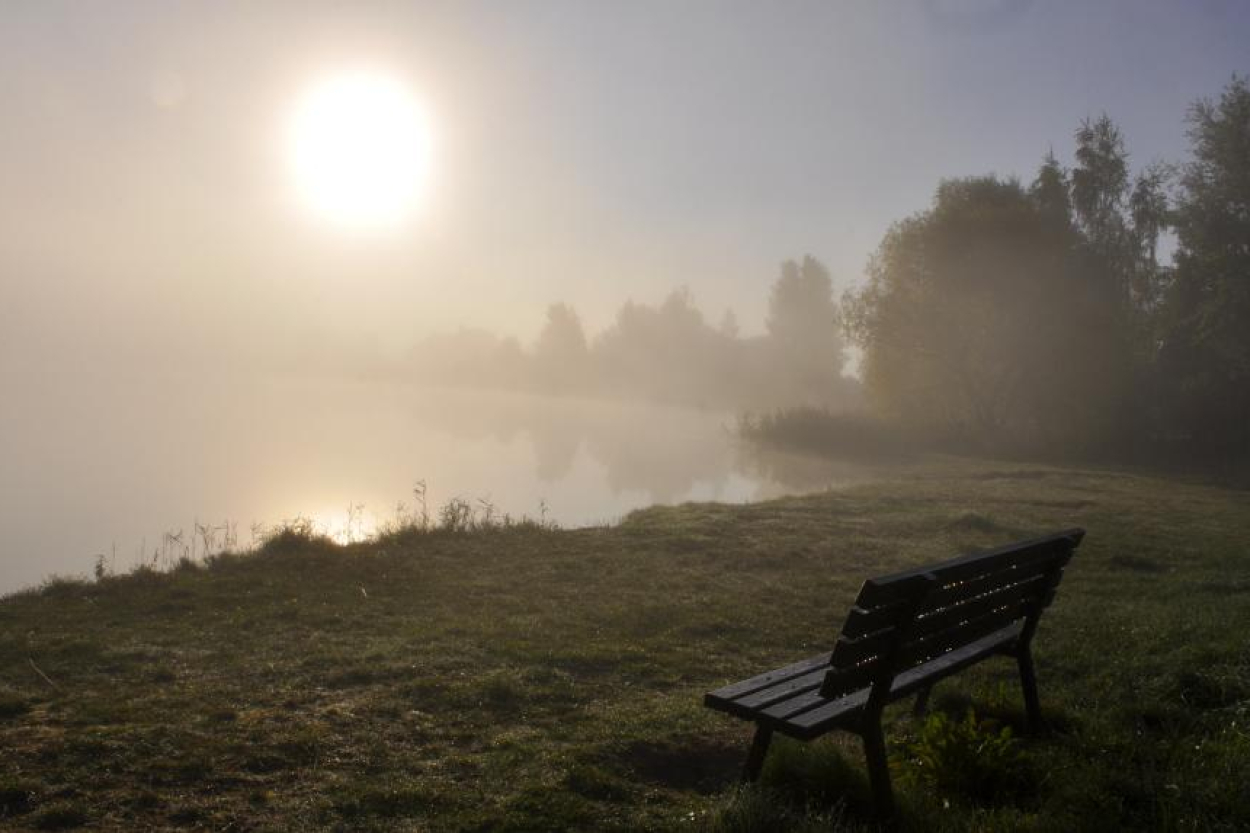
<point>526,678</point>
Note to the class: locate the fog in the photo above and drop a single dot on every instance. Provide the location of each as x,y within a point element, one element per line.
<point>639,223</point>
<point>242,458</point>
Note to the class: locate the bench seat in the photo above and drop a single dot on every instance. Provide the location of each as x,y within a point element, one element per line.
<point>789,700</point>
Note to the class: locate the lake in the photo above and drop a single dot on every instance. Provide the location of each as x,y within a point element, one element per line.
<point>125,470</point>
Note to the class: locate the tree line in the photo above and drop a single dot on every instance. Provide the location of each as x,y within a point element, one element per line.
<point>1042,317</point>
<point>669,352</point>
<point>1095,311</point>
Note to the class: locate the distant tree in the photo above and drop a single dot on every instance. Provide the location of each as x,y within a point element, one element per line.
<point>1205,357</point>
<point>981,321</point>
<point>1051,191</point>
<point>560,353</point>
<point>1121,218</point>
<point>469,358</point>
<point>1100,182</point>
<point>804,334</point>
<point>801,308</point>
<point>667,353</point>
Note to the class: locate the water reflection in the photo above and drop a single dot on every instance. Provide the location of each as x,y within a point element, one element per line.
<point>109,468</point>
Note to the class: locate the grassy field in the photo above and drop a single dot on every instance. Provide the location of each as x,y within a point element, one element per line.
<point>535,679</point>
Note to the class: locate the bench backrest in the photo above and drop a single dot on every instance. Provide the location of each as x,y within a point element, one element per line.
<point>902,620</point>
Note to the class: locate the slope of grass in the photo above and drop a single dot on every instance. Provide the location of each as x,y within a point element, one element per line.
<point>533,679</point>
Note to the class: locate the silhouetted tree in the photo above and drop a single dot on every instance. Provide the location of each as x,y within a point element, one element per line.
<point>561,356</point>
<point>807,352</point>
<point>1100,183</point>
<point>1205,358</point>
<point>1051,191</point>
<point>1121,224</point>
<point>981,320</point>
<point>667,353</point>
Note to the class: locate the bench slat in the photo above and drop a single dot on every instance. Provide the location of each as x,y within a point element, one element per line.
<point>782,691</point>
<point>1034,557</point>
<point>840,681</point>
<point>861,622</point>
<point>814,721</point>
<point>807,701</point>
<point>949,610</point>
<point>895,592</point>
<point>729,693</point>
<point>934,645</point>
<point>954,592</point>
<point>1034,588</point>
<point>977,563</point>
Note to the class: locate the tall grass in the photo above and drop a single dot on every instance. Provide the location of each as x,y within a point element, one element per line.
<point>210,544</point>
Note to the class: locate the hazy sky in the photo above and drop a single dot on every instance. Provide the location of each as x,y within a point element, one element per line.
<point>584,151</point>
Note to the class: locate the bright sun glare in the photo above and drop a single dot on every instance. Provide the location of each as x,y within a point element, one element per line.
<point>360,150</point>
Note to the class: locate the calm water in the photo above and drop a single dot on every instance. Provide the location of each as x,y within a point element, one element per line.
<point>93,467</point>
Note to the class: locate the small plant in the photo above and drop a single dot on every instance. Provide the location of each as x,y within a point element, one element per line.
<point>969,757</point>
<point>418,492</point>
<point>456,515</point>
<point>486,513</point>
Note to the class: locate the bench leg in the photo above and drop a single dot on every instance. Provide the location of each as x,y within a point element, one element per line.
<point>878,768</point>
<point>1028,681</point>
<point>921,706</point>
<point>755,758</point>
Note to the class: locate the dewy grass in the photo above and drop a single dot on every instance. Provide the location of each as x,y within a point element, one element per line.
<point>518,677</point>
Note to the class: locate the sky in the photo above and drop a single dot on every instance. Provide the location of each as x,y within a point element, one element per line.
<point>585,152</point>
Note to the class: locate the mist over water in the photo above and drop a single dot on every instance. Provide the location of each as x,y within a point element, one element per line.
<point>98,467</point>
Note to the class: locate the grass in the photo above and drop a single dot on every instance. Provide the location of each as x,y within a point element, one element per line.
<point>511,678</point>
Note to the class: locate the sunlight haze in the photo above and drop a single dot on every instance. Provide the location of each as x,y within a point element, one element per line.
<point>200,195</point>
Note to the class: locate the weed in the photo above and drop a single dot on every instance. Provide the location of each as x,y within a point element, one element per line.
<point>968,758</point>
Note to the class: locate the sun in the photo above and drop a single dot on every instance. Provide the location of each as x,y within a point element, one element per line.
<point>359,150</point>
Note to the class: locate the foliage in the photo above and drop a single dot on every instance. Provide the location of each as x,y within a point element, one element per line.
<point>1042,320</point>
<point>804,341</point>
<point>970,758</point>
<point>1205,357</point>
<point>1024,319</point>
<point>978,311</point>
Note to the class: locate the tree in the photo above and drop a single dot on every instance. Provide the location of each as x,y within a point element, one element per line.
<point>1121,224</point>
<point>666,353</point>
<point>1100,182</point>
<point>560,353</point>
<point>805,340</point>
<point>1051,191</point>
<point>1205,357</point>
<point>981,322</point>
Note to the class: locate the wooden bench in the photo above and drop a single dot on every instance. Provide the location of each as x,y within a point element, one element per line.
<point>905,632</point>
